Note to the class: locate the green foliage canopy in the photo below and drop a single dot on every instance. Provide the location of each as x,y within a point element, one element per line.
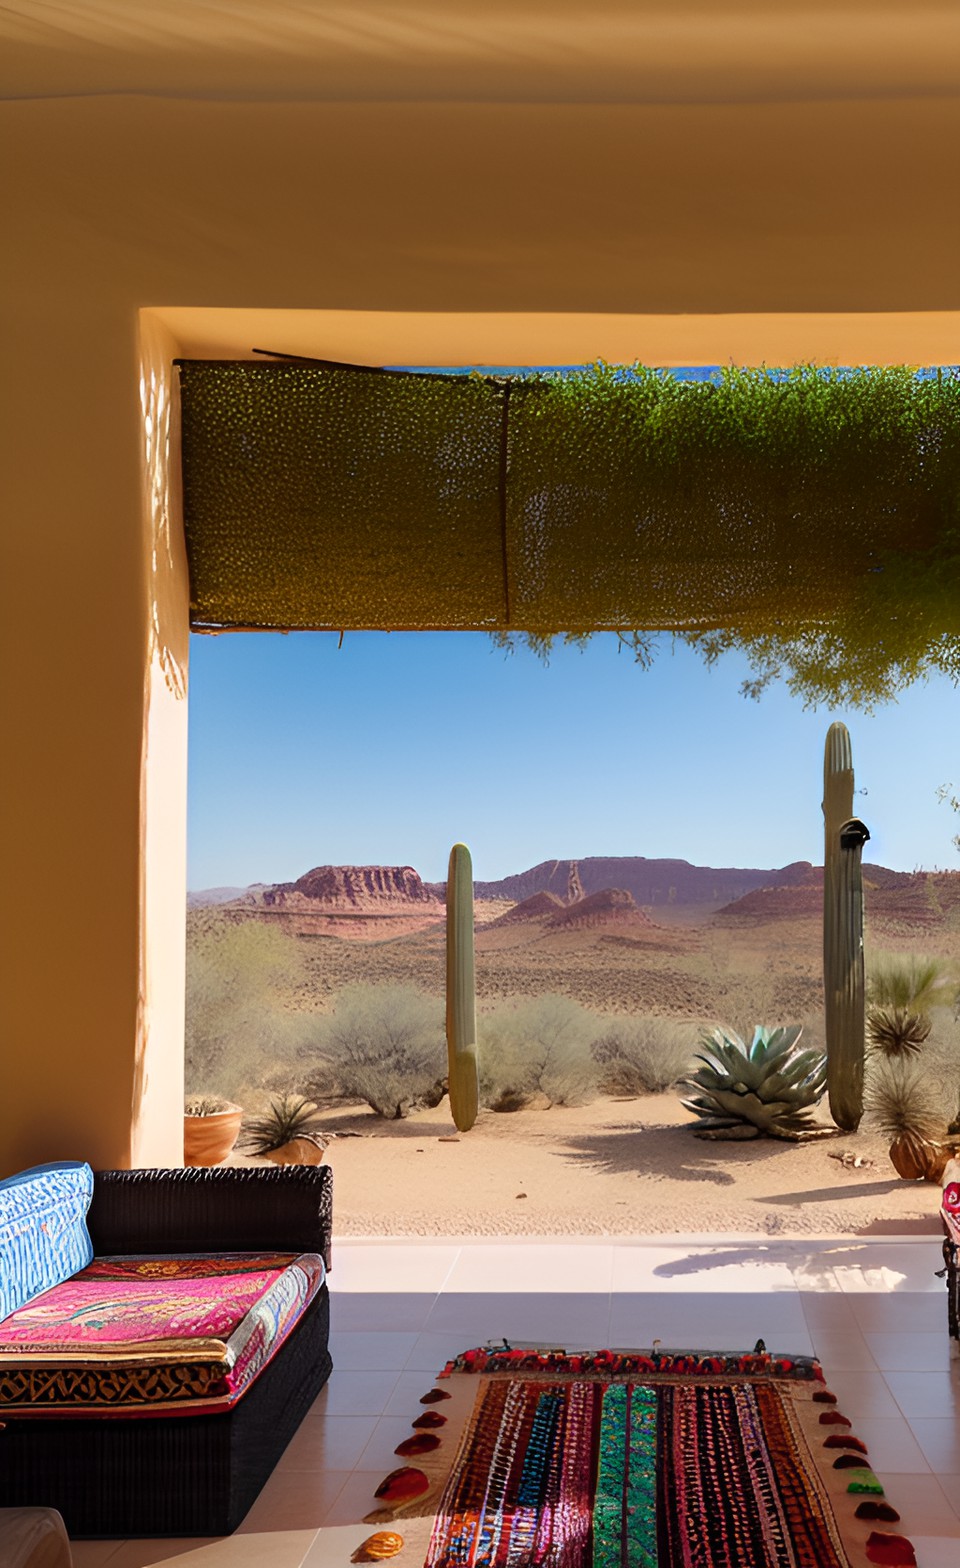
<point>809,518</point>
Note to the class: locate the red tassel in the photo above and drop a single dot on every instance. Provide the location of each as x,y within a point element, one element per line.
<point>845,1442</point>
<point>423,1443</point>
<point>823,1396</point>
<point>834,1418</point>
<point>435,1395</point>
<point>894,1551</point>
<point>400,1485</point>
<point>430,1418</point>
<point>873,1510</point>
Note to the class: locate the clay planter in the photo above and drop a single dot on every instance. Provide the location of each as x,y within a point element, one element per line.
<point>299,1151</point>
<point>917,1159</point>
<point>207,1140</point>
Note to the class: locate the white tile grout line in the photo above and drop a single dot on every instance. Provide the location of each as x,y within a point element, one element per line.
<point>653,1239</point>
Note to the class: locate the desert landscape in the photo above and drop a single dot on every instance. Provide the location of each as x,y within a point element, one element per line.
<point>584,969</point>
<point>613,1167</point>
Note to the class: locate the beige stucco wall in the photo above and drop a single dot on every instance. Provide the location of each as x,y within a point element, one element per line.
<point>113,205</point>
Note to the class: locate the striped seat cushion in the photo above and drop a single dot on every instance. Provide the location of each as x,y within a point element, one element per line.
<point>153,1335</point>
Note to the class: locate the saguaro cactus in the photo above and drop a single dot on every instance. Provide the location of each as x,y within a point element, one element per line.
<point>461,992</point>
<point>843,993</point>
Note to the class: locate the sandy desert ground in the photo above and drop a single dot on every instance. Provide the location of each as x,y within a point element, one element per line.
<point>616,1167</point>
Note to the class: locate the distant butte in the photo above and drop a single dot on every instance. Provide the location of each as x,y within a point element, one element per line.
<point>360,903</point>
<point>611,906</point>
<point>350,889</point>
<point>539,906</point>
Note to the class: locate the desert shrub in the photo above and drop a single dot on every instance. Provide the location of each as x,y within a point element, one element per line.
<point>241,1015</point>
<point>910,981</point>
<point>941,1060</point>
<point>903,990</point>
<point>644,1055</point>
<point>383,1046</point>
<point>541,1047</point>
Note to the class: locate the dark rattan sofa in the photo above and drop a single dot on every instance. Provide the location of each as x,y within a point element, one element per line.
<point>193,1474</point>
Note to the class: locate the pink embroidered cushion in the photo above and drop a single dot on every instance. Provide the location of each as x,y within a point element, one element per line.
<point>153,1334</point>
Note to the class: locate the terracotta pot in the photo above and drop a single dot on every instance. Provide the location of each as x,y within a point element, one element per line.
<point>916,1159</point>
<point>207,1140</point>
<point>299,1151</point>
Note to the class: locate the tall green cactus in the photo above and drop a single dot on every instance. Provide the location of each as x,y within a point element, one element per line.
<point>462,1072</point>
<point>843,990</point>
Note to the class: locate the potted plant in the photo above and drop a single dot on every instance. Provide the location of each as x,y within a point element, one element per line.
<point>903,1110</point>
<point>211,1126</point>
<point>286,1133</point>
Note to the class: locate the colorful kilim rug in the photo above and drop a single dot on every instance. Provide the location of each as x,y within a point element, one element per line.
<point>633,1460</point>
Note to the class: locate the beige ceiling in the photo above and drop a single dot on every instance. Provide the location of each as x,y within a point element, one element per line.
<point>760,173</point>
<point>636,51</point>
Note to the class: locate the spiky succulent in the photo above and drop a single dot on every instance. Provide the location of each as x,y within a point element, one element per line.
<point>901,1104</point>
<point>896,1031</point>
<point>766,1088</point>
<point>289,1117</point>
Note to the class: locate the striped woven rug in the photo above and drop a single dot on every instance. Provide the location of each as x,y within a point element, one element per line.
<point>634,1460</point>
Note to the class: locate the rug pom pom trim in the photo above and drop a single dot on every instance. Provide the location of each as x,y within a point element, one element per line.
<point>872,1510</point>
<point>894,1551</point>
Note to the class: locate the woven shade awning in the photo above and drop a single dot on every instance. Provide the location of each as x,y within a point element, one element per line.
<point>329,496</point>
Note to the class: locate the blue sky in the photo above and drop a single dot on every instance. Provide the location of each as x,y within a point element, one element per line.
<point>392,747</point>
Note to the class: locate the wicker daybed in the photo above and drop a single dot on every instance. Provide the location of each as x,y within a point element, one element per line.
<point>172,1432</point>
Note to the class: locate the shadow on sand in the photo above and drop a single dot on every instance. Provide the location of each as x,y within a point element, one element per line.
<point>667,1151</point>
<point>870,1189</point>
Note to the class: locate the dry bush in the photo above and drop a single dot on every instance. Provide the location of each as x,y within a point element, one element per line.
<point>242,981</point>
<point>940,1061</point>
<point>644,1055</point>
<point>913,982</point>
<point>382,1046</point>
<point>541,1047</point>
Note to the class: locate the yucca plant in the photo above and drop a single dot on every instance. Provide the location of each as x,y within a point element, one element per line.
<point>902,1109</point>
<point>895,1031</point>
<point>764,1089</point>
<point>900,991</point>
<point>289,1117</point>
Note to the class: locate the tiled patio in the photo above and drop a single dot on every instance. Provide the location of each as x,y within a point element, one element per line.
<point>871,1309</point>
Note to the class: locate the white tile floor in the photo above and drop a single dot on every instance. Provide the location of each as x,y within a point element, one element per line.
<point>871,1309</point>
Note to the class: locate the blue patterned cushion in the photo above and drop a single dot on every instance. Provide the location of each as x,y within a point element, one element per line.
<point>43,1230</point>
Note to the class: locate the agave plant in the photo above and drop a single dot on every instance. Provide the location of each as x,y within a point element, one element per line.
<point>289,1117</point>
<point>901,1107</point>
<point>766,1088</point>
